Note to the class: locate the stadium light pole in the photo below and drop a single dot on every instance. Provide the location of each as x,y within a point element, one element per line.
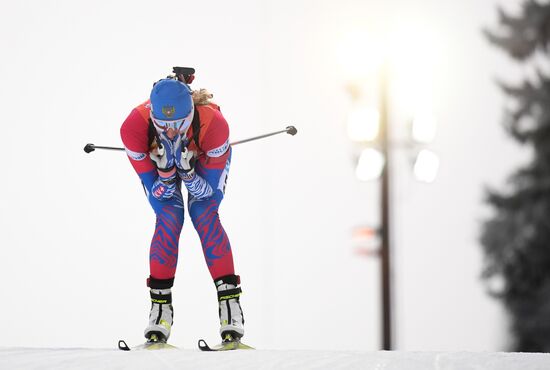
<point>375,163</point>
<point>385,210</point>
<point>363,65</point>
<point>404,60</point>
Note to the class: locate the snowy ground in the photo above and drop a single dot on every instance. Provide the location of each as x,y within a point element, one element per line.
<point>81,358</point>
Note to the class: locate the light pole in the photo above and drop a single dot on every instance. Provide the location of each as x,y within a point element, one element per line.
<point>408,60</point>
<point>376,163</point>
<point>385,209</point>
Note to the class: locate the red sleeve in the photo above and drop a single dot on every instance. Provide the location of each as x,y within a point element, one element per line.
<point>215,141</point>
<point>134,134</point>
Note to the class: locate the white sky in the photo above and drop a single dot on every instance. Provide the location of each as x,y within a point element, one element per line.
<point>75,228</point>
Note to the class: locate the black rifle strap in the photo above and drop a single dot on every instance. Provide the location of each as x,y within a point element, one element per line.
<point>196,125</point>
<point>152,134</point>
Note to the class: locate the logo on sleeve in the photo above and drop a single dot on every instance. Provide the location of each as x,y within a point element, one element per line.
<point>135,155</point>
<point>219,151</point>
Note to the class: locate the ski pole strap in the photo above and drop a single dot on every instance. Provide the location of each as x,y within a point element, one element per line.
<point>161,298</point>
<point>228,294</point>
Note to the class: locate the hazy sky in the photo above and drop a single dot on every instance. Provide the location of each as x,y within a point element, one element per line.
<point>75,228</point>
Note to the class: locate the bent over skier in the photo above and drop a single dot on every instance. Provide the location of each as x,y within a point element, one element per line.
<point>179,136</point>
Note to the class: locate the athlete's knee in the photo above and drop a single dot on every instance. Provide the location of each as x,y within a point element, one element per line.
<point>171,215</point>
<point>200,210</point>
<point>175,205</point>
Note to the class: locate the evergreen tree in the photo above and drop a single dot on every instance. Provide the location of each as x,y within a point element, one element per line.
<point>516,240</point>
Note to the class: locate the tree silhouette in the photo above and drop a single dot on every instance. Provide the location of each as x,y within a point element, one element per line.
<point>516,240</point>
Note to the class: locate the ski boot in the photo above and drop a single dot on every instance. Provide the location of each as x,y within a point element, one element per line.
<point>161,316</point>
<point>230,312</point>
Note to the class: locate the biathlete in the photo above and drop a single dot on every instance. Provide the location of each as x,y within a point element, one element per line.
<point>180,136</point>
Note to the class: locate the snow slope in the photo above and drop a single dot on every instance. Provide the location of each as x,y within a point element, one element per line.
<point>82,358</point>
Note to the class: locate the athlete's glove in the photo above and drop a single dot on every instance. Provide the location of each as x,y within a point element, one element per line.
<point>165,185</point>
<point>185,161</point>
<point>164,154</point>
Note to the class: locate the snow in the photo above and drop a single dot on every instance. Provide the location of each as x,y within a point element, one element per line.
<point>83,358</point>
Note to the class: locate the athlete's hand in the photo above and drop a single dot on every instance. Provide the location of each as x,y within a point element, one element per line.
<point>164,155</point>
<point>185,160</point>
<point>164,187</point>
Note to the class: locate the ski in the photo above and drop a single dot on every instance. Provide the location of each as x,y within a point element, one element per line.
<point>154,343</point>
<point>228,344</point>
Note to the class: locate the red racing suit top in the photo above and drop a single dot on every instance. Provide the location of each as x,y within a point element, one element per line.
<point>212,152</point>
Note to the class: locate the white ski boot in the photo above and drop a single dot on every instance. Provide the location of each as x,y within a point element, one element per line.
<point>231,314</point>
<point>161,316</point>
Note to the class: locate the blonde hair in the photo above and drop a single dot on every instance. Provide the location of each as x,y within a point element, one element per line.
<point>202,97</point>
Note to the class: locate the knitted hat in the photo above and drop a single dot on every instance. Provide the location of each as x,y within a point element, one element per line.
<point>171,100</point>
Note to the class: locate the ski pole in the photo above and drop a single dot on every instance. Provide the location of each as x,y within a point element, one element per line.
<point>291,130</point>
<point>88,148</point>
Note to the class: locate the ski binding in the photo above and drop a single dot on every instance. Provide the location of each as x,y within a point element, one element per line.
<point>228,344</point>
<point>153,343</point>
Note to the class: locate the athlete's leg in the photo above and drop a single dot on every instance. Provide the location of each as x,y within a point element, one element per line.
<point>217,249</point>
<point>215,243</point>
<point>163,259</point>
<point>163,254</point>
